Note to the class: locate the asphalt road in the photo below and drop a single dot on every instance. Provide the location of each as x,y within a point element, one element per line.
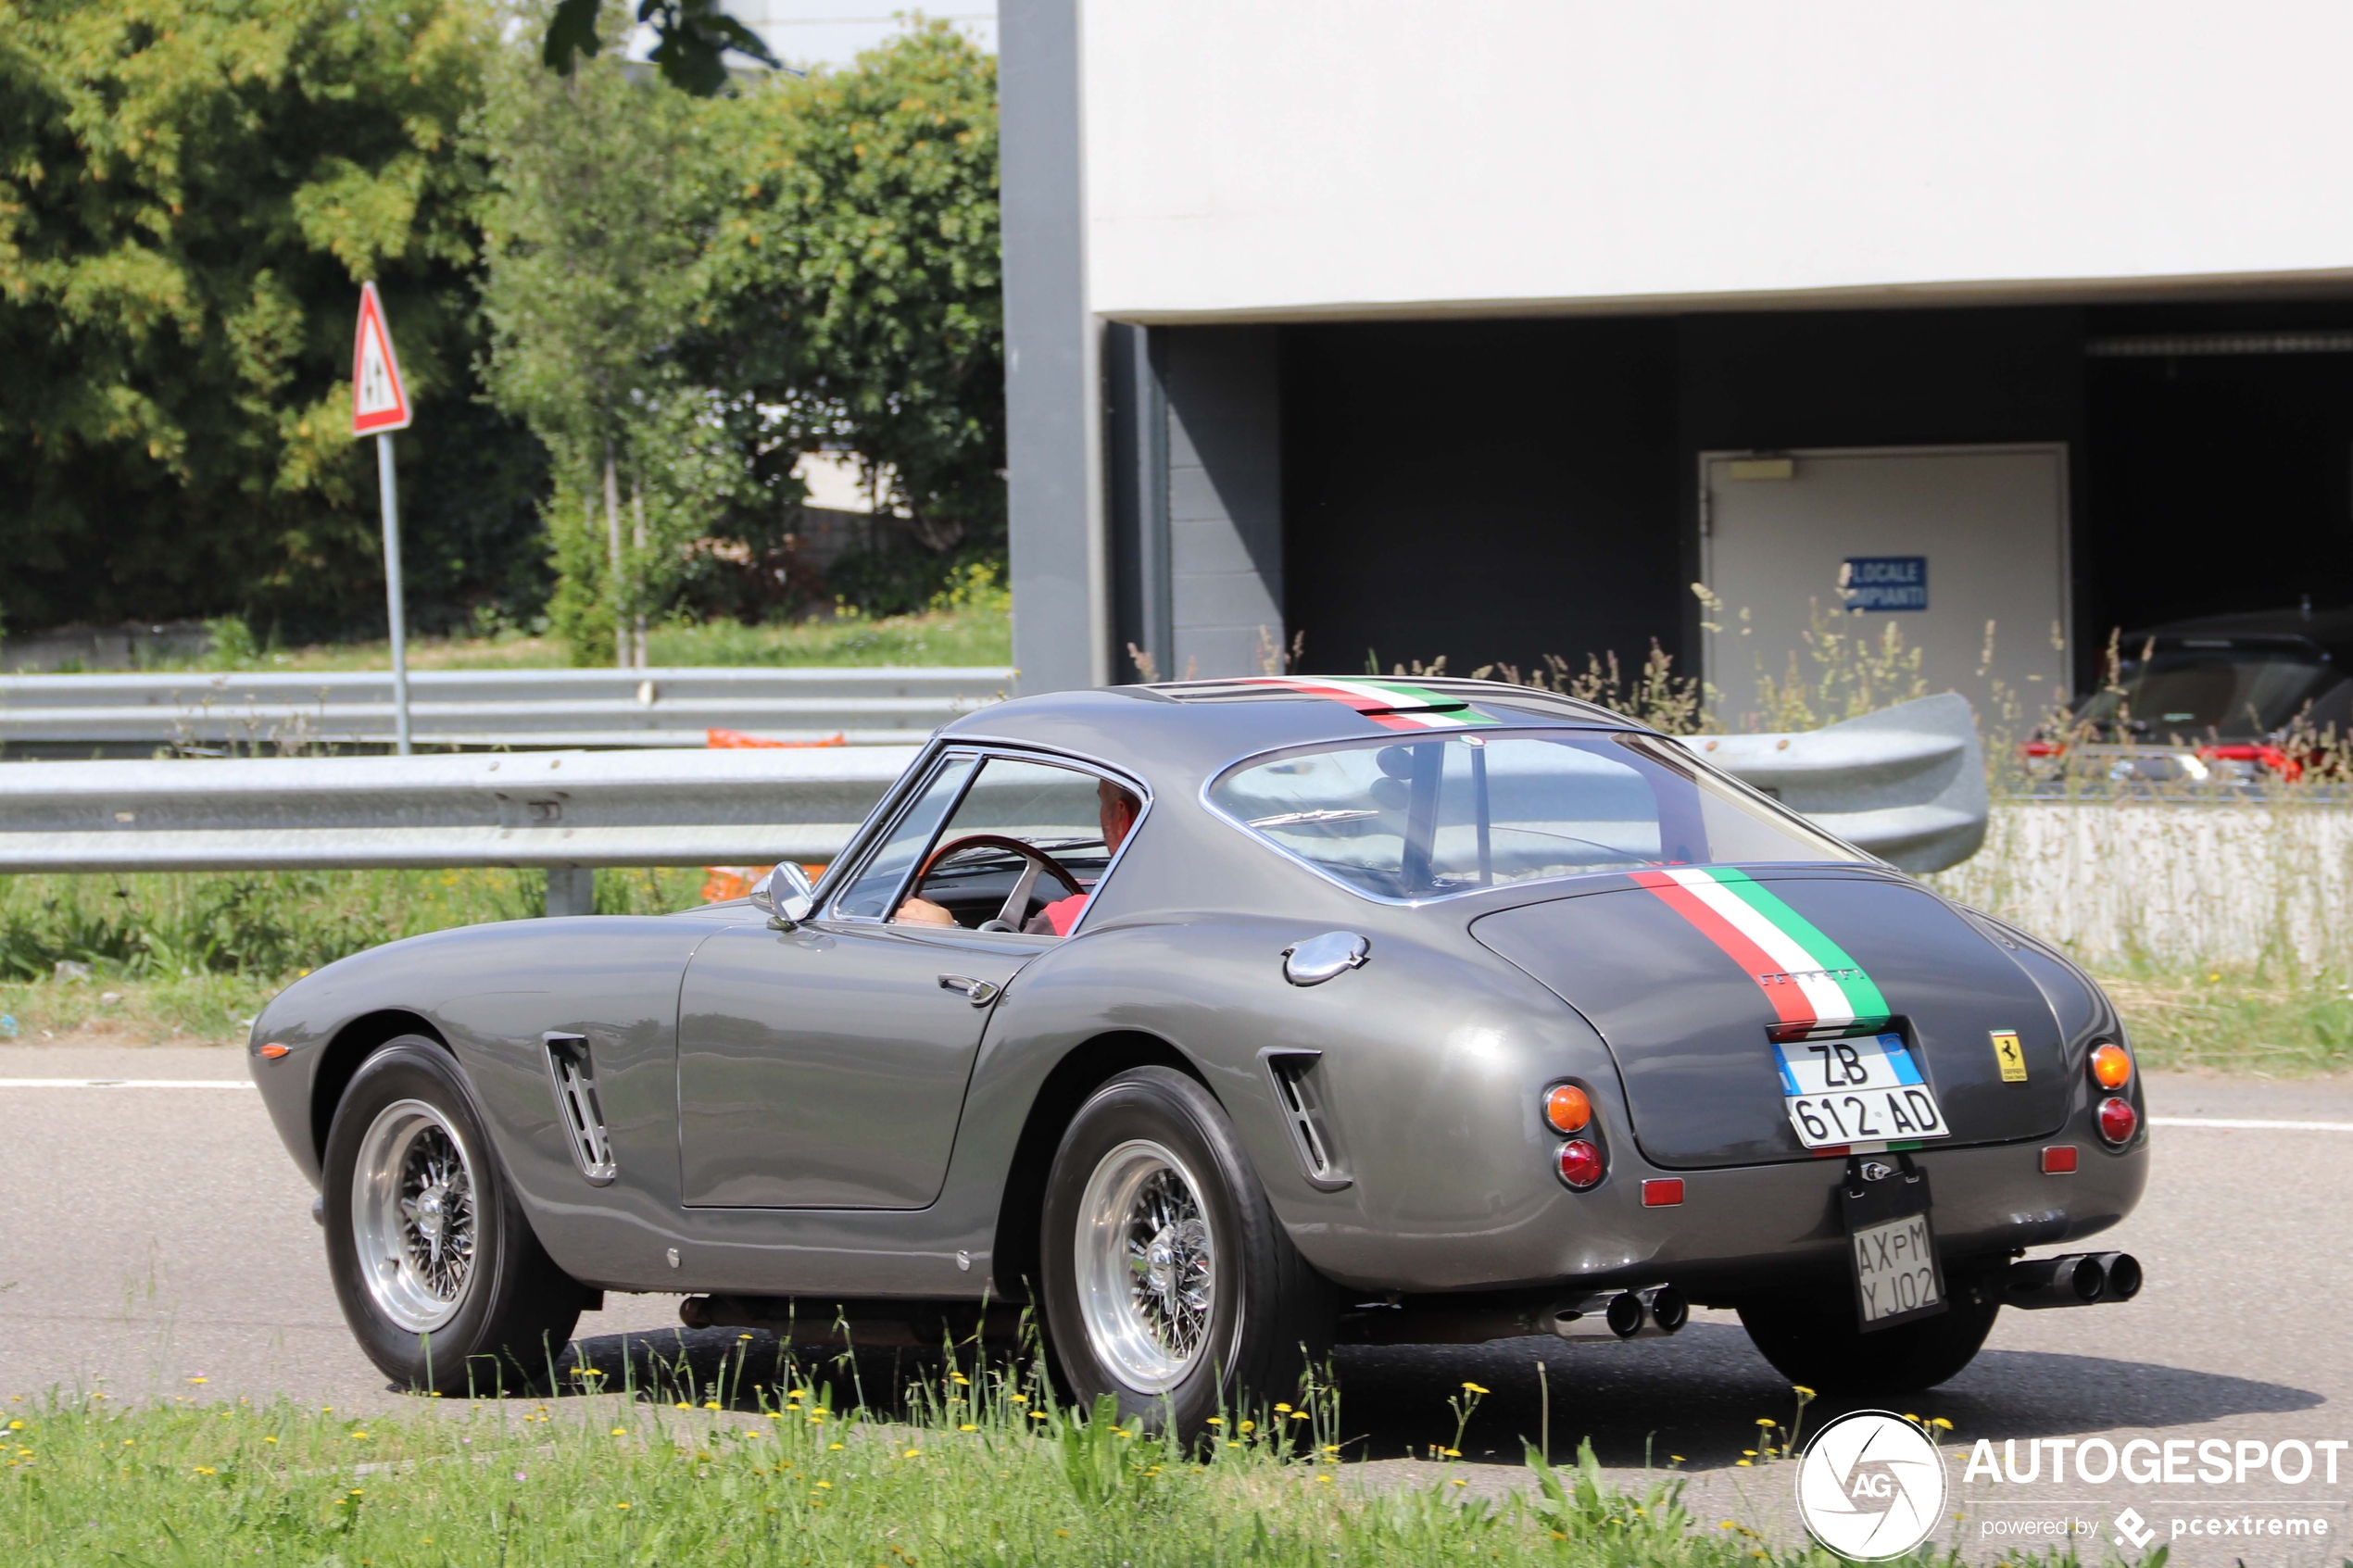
<point>152,1236</point>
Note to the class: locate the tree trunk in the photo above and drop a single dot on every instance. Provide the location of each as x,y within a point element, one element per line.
<point>638,505</point>
<point>612,546</point>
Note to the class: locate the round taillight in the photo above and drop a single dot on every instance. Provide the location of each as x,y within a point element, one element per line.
<point>1567,1107</point>
<point>2119,1121</point>
<point>1580,1163</point>
<point>2112,1066</point>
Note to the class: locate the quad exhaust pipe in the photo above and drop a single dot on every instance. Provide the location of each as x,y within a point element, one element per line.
<point>1653,1314</point>
<point>2073,1279</point>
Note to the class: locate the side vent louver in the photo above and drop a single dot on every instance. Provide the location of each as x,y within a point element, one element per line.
<point>1299,1094</point>
<point>582,1114</point>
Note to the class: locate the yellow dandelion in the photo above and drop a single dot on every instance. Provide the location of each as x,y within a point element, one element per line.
<point>1250,1426</point>
<point>711,1404</point>
<point>1460,1482</point>
<point>1282,1410</point>
<point>621,1432</point>
<point>1768,1421</point>
<point>1940,1420</point>
<point>1473,1388</point>
<point>968,1426</point>
<point>269,1439</point>
<point>206,1470</point>
<point>621,1505</point>
<point>1216,1421</point>
<point>1326,1480</point>
<point>825,1485</point>
<point>1743,1463</point>
<point>1018,1399</point>
<point>832,1447</point>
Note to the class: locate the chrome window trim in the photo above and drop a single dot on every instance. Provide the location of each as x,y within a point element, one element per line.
<point>869,838</point>
<point>1490,733</point>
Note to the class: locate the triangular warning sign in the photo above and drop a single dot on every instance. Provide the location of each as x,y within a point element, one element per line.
<point>378,400</point>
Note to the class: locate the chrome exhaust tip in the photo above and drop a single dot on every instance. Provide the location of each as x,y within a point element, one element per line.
<point>2072,1279</point>
<point>1653,1312</point>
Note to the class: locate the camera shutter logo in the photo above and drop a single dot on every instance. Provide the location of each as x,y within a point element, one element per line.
<point>1870,1486</point>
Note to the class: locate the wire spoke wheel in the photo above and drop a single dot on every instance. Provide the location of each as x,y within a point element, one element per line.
<point>1146,1265</point>
<point>412,1215</point>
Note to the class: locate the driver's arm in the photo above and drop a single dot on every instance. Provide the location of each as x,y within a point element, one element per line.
<point>922,911</point>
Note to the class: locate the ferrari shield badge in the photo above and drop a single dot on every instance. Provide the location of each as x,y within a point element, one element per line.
<point>2010,1054</point>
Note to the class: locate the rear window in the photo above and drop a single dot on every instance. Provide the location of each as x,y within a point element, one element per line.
<point>2224,691</point>
<point>1427,818</point>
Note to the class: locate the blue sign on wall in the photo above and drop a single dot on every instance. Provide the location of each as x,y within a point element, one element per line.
<point>1884,582</point>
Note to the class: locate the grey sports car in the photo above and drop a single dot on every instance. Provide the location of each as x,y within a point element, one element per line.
<point>1221,1021</point>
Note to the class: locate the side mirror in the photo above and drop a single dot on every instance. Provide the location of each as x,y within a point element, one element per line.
<point>785,893</point>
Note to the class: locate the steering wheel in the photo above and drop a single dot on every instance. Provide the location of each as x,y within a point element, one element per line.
<point>1016,902</point>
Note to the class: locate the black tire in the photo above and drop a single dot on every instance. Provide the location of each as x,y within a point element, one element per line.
<point>510,1310</point>
<point>1270,1315</point>
<point>1812,1341</point>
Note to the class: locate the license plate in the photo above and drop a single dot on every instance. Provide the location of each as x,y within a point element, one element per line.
<point>1896,1273</point>
<point>1857,1096</point>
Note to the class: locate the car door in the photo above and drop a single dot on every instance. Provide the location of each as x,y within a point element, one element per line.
<point>826,1066</point>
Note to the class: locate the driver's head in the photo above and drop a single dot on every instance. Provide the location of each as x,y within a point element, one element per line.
<point>1119,810</point>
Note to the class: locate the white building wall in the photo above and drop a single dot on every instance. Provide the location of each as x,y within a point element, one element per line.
<point>1294,158</point>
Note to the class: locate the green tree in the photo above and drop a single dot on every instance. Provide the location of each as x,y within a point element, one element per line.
<point>854,283</point>
<point>592,278</point>
<point>190,190</point>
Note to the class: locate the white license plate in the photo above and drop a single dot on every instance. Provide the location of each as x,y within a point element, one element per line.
<point>1863,1094</point>
<point>1895,1268</point>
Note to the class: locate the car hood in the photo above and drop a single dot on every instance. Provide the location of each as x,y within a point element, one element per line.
<point>1688,1022</point>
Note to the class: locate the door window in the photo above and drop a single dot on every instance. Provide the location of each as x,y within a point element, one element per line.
<point>1023,851</point>
<point>869,896</point>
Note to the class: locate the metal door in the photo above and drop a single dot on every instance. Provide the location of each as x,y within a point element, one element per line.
<point>824,1067</point>
<point>1943,541</point>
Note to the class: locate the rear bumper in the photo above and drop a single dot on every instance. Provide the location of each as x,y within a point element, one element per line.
<point>1741,1230</point>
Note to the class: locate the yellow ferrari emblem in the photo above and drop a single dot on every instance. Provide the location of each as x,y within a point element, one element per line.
<point>2010,1054</point>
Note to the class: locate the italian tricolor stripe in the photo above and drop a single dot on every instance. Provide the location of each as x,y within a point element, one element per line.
<point>1811,982</point>
<point>1394,705</point>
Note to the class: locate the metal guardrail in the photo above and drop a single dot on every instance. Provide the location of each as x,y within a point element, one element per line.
<point>1906,783</point>
<point>479,709</point>
<point>1900,783</point>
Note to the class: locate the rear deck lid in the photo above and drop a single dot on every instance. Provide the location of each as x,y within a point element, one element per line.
<point>1689,972</point>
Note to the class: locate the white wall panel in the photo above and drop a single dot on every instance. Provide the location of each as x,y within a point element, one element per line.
<point>1291,156</point>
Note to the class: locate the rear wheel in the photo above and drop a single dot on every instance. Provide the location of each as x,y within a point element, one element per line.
<point>1812,1341</point>
<point>1169,1283</point>
<point>438,1273</point>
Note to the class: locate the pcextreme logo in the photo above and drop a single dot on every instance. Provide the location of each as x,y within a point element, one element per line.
<point>1870,1486</point>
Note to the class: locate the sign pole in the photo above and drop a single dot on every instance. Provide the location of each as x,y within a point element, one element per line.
<point>392,588</point>
<point>379,407</point>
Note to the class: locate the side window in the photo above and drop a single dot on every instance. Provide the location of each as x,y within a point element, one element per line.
<point>869,896</point>
<point>1023,850</point>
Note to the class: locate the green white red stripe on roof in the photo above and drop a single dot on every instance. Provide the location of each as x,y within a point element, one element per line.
<point>1394,705</point>
<point>1813,984</point>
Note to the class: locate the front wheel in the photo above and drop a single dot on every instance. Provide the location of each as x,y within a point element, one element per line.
<point>1814,1341</point>
<point>1169,1283</point>
<point>438,1273</point>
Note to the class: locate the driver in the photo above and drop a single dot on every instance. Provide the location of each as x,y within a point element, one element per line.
<point>1115,808</point>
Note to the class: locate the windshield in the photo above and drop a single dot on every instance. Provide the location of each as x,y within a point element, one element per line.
<point>1427,818</point>
<point>2224,691</point>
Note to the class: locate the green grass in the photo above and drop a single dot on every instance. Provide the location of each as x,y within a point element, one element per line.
<point>196,953</point>
<point>984,1470</point>
<point>2282,1022</point>
<point>973,629</point>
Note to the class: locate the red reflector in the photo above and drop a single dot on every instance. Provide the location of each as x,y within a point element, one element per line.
<point>1580,1163</point>
<point>2058,1160</point>
<point>274,1050</point>
<point>1662,1192</point>
<point>2118,1120</point>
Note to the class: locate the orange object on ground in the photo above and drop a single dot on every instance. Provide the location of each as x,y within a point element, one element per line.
<point>722,883</point>
<point>732,740</point>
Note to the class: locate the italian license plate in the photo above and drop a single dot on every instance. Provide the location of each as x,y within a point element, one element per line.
<point>1861,1094</point>
<point>1895,1273</point>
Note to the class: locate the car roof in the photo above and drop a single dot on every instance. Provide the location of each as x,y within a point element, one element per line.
<point>1178,731</point>
<point>2330,631</point>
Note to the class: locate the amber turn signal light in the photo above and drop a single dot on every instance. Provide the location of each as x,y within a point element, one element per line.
<point>2112,1066</point>
<point>1567,1108</point>
<point>274,1050</point>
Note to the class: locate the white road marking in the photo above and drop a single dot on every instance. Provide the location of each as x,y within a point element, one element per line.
<point>126,1083</point>
<point>2243,1124</point>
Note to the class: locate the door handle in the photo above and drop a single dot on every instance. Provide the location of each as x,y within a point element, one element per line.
<point>980,993</point>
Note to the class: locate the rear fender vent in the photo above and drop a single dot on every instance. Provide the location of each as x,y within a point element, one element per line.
<point>582,1114</point>
<point>1298,1095</point>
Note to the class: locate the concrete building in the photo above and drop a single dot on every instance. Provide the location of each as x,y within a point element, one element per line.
<point>1486,329</point>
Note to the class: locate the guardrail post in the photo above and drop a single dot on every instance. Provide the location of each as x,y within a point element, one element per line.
<point>571,890</point>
